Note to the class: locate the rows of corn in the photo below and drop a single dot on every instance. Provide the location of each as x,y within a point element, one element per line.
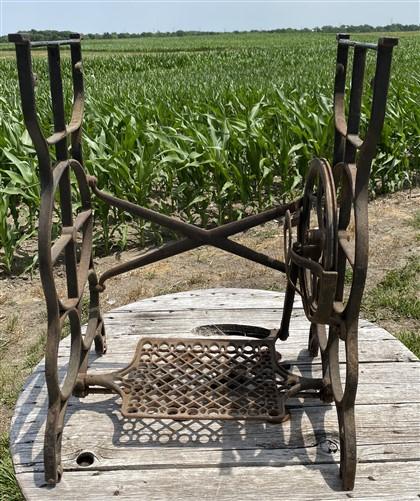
<point>208,128</point>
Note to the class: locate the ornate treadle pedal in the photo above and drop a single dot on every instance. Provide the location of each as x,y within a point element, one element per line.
<point>184,378</point>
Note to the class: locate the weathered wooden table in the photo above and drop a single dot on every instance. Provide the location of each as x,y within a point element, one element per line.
<point>163,459</point>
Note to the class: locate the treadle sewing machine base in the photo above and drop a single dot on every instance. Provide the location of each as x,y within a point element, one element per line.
<point>205,378</point>
<point>325,240</point>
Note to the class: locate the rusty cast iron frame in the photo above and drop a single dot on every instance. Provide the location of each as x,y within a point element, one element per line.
<point>325,233</point>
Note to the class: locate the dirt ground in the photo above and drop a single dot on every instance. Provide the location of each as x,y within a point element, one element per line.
<point>22,312</point>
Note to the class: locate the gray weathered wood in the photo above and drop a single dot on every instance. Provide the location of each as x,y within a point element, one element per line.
<point>119,442</point>
<point>163,459</point>
<point>378,481</point>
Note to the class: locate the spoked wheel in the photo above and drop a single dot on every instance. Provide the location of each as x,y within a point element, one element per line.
<point>314,258</point>
<point>316,252</point>
<point>317,242</point>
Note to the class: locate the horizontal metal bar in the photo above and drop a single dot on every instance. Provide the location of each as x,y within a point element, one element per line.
<point>58,136</point>
<point>247,253</point>
<point>100,390</point>
<point>61,243</point>
<point>355,140</point>
<point>82,218</point>
<point>353,43</point>
<point>217,237</point>
<point>24,38</point>
<point>187,244</point>
<point>48,43</point>
<point>188,230</point>
<point>59,246</point>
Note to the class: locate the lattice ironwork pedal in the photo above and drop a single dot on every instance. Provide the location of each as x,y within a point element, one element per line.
<point>202,378</point>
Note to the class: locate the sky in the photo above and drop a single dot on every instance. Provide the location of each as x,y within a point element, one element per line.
<point>95,16</point>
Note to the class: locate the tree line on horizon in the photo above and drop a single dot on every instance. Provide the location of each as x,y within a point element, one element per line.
<point>40,35</point>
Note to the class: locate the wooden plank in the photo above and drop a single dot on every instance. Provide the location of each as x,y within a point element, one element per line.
<point>210,299</point>
<point>129,458</point>
<point>393,417</point>
<point>376,424</point>
<point>316,482</point>
<point>187,319</point>
<point>121,350</point>
<point>99,427</point>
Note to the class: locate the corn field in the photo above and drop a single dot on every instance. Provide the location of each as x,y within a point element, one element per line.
<point>208,128</point>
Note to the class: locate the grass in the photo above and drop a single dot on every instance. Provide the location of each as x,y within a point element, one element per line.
<point>12,374</point>
<point>12,377</point>
<point>397,298</point>
<point>415,223</point>
<point>411,339</point>
<point>397,295</point>
<point>9,490</point>
<point>9,333</point>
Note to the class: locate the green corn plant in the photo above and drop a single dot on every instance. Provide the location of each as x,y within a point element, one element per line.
<point>209,128</point>
<point>11,235</point>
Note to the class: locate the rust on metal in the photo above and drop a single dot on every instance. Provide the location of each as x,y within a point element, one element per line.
<point>203,379</point>
<point>206,377</point>
<point>217,372</point>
